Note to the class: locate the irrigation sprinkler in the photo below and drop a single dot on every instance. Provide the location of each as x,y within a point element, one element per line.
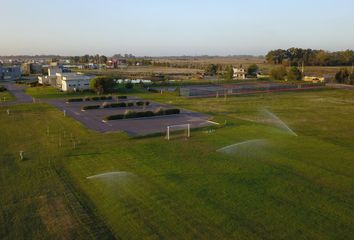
<point>34,100</point>
<point>47,130</point>
<point>22,155</point>
<point>8,111</point>
<point>64,112</point>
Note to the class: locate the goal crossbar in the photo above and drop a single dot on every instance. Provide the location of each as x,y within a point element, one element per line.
<point>178,128</point>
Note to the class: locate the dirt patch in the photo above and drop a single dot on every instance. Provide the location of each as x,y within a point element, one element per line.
<point>56,217</point>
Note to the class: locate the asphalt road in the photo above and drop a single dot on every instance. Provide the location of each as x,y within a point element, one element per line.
<point>18,92</point>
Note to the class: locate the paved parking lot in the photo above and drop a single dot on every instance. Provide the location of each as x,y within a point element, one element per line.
<point>92,119</point>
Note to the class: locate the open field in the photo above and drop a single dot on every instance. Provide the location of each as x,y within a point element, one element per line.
<point>5,96</point>
<point>268,184</point>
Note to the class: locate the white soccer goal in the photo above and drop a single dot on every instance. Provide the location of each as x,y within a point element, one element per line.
<point>178,130</point>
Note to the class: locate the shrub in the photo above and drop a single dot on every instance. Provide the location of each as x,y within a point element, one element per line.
<point>75,100</point>
<point>152,90</point>
<point>87,99</point>
<point>114,105</point>
<point>130,104</point>
<point>130,114</point>
<point>90,107</point>
<point>2,89</point>
<point>129,85</point>
<point>145,114</point>
<point>96,98</point>
<point>114,117</point>
<point>172,111</point>
<point>159,112</point>
<point>140,103</point>
<point>122,97</point>
<point>102,84</point>
<point>106,98</point>
<point>278,73</point>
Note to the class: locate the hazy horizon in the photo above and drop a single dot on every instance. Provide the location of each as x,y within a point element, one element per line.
<point>179,28</point>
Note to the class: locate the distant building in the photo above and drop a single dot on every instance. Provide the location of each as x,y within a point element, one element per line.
<point>52,78</point>
<point>240,73</point>
<point>10,73</point>
<point>31,68</point>
<point>74,81</point>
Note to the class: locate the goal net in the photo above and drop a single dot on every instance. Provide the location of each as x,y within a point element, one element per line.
<point>175,131</point>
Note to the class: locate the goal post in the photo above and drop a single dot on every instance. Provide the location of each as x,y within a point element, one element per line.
<point>185,129</point>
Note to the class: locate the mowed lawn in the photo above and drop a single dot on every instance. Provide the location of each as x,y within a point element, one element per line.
<point>5,96</point>
<point>274,185</point>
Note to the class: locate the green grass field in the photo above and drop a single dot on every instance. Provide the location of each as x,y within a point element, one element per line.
<point>6,96</point>
<point>278,187</point>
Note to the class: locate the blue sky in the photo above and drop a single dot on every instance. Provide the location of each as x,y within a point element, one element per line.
<point>173,27</point>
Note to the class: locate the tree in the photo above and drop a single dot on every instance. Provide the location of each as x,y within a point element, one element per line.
<point>228,73</point>
<point>211,70</point>
<point>278,73</point>
<point>294,74</point>
<point>344,77</point>
<point>253,69</point>
<point>102,84</point>
<point>103,59</point>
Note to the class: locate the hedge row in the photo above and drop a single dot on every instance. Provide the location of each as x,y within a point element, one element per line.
<point>132,114</point>
<point>94,98</point>
<point>123,104</point>
<point>90,107</point>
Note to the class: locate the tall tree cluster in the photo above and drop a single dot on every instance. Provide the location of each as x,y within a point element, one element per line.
<point>310,57</point>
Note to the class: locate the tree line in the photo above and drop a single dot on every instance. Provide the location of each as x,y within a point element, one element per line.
<point>310,57</point>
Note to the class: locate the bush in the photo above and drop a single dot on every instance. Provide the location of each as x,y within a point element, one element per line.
<point>294,74</point>
<point>114,105</point>
<point>159,112</point>
<point>87,99</point>
<point>114,117</point>
<point>172,111</point>
<point>90,107</point>
<point>129,85</point>
<point>140,103</point>
<point>2,89</point>
<point>102,84</point>
<point>130,104</point>
<point>75,100</point>
<point>278,73</point>
<point>106,98</point>
<point>132,114</point>
<point>122,97</point>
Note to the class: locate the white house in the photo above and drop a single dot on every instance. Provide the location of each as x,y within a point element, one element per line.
<point>240,73</point>
<point>74,81</point>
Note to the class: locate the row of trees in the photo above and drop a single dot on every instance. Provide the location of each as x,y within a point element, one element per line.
<point>97,59</point>
<point>280,73</point>
<point>310,57</point>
